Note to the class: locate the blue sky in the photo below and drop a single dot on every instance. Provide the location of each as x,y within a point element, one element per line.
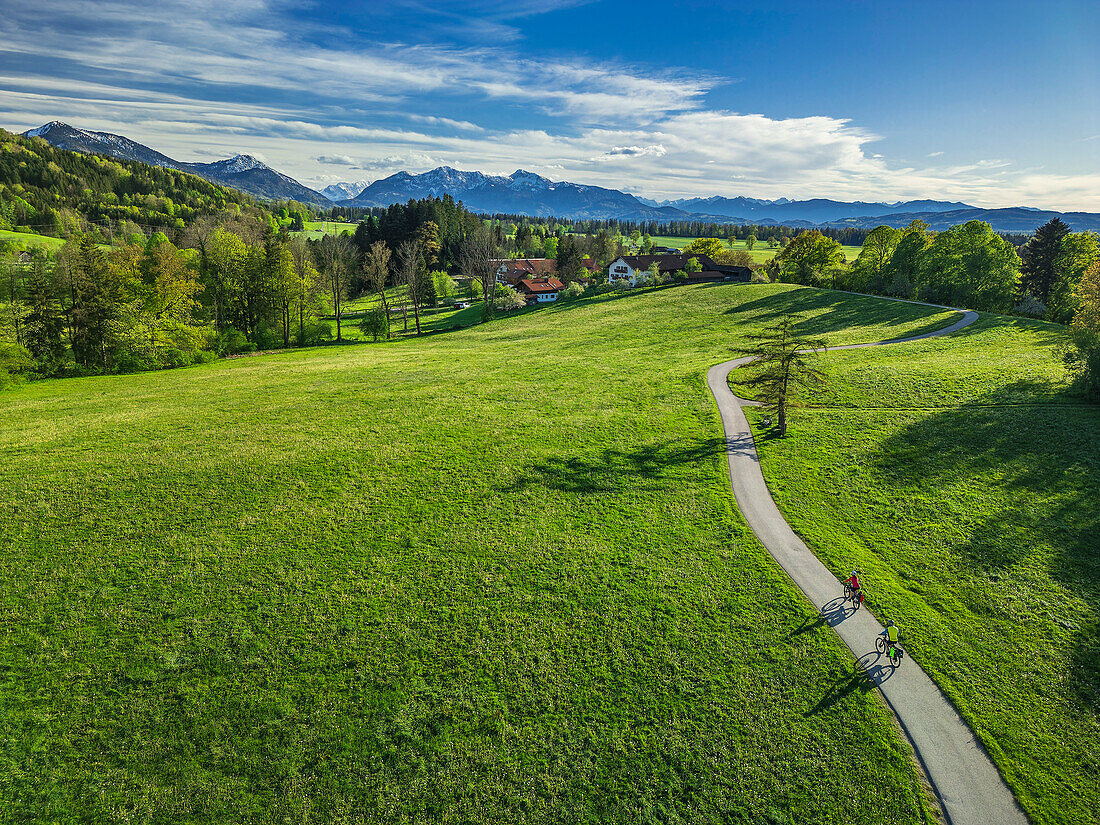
<point>993,103</point>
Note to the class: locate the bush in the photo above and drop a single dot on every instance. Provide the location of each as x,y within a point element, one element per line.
<point>205,356</point>
<point>172,358</point>
<point>1031,306</point>
<point>508,298</point>
<point>376,323</point>
<point>760,277</point>
<point>313,333</point>
<point>128,361</point>
<point>1082,360</point>
<point>232,342</point>
<point>265,337</point>
<point>14,362</point>
<point>571,292</point>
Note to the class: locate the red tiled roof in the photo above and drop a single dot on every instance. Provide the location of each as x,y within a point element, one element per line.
<point>528,266</point>
<point>541,285</point>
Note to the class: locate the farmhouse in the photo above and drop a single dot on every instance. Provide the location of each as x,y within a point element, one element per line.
<point>513,270</point>
<point>540,290</point>
<point>631,267</point>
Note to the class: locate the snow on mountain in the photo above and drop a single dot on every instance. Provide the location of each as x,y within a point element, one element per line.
<point>344,190</point>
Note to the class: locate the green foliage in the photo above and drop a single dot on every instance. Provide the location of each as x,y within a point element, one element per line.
<point>969,266</point>
<point>693,265</point>
<point>1039,256</point>
<point>811,258</point>
<point>376,323</point>
<point>437,580</point>
<point>711,247</point>
<point>15,361</point>
<point>781,365</point>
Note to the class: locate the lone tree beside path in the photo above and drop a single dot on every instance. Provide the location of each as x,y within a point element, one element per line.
<point>782,363</point>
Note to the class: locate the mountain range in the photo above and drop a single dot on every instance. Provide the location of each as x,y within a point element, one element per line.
<point>242,172</point>
<point>526,193</point>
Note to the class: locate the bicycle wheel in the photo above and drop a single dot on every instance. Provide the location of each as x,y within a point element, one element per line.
<point>880,643</point>
<point>847,591</point>
<point>895,656</point>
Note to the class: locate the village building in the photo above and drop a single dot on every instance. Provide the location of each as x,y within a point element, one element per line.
<point>540,290</point>
<point>631,268</point>
<point>511,271</point>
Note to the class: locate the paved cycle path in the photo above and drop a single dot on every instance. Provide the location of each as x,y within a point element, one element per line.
<point>969,787</point>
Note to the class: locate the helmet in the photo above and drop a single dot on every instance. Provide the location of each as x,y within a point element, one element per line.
<point>890,623</point>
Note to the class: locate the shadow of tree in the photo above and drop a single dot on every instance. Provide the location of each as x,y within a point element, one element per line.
<point>855,680</point>
<point>605,472</point>
<point>841,310</point>
<point>1044,461</point>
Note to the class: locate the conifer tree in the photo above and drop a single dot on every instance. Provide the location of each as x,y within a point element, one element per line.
<point>1039,256</point>
<point>43,326</point>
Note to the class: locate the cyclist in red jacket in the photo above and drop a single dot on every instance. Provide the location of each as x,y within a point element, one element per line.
<point>857,589</point>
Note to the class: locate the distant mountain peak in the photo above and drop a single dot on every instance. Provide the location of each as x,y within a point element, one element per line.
<point>240,163</point>
<point>46,127</point>
<point>243,172</point>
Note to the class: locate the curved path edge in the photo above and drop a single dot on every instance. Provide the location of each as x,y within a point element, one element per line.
<point>970,789</point>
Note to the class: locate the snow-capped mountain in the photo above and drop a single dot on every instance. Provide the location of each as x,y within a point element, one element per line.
<point>64,136</point>
<point>344,190</point>
<point>522,192</point>
<point>526,193</point>
<point>242,172</point>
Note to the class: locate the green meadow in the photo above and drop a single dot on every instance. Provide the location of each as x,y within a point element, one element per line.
<point>318,229</point>
<point>494,575</point>
<point>963,481</point>
<point>30,239</point>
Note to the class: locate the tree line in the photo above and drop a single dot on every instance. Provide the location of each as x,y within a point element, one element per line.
<point>1054,275</point>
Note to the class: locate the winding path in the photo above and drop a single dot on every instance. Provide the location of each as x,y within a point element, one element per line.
<point>970,789</point>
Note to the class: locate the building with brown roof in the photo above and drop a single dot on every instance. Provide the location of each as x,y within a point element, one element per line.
<point>513,270</point>
<point>631,268</point>
<point>540,290</point>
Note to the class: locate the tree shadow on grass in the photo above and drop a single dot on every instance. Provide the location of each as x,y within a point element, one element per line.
<point>857,680</point>
<point>842,310</point>
<point>607,471</point>
<point>1042,462</point>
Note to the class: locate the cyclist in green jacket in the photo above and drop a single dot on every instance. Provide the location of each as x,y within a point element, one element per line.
<point>893,632</point>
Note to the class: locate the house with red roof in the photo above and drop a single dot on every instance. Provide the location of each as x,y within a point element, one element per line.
<point>513,270</point>
<point>540,290</point>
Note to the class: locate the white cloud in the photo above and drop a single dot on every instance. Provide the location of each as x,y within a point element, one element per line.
<point>336,160</point>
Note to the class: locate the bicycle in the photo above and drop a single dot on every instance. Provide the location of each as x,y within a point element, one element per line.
<point>853,595</point>
<point>892,650</point>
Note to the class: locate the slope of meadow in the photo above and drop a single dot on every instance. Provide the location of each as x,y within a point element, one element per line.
<point>494,575</point>
<point>965,483</point>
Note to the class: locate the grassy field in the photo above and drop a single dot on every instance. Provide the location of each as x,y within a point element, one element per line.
<point>493,575</point>
<point>30,239</point>
<point>432,319</point>
<point>318,229</point>
<point>964,482</point>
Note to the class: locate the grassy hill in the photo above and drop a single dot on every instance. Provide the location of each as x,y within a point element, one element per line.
<point>964,482</point>
<point>494,575</point>
<point>29,239</point>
